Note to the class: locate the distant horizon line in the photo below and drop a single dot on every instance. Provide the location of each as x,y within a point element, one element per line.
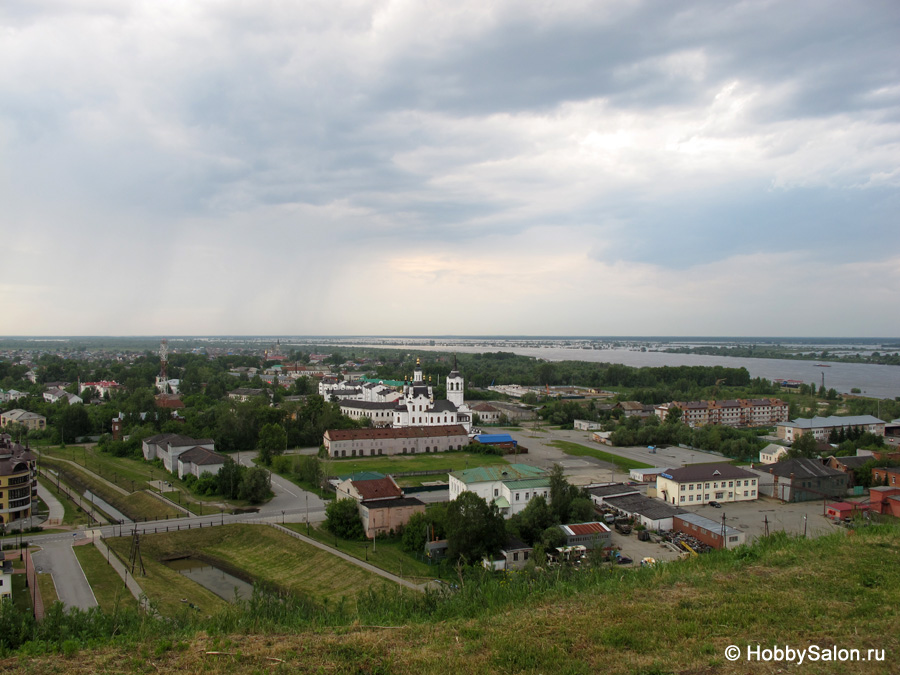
<point>446,336</point>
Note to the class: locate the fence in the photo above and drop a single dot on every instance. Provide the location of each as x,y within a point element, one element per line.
<point>37,602</point>
<point>112,559</point>
<point>74,497</point>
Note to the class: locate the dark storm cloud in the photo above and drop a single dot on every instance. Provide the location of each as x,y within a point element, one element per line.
<point>450,147</point>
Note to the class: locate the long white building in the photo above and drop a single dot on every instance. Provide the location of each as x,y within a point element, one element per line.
<point>509,487</point>
<point>390,441</point>
<point>820,427</point>
<point>704,483</point>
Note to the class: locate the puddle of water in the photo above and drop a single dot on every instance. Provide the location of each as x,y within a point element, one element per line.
<point>212,578</point>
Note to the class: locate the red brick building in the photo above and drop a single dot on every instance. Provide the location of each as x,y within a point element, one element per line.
<point>885,500</point>
<point>889,476</point>
<point>710,532</point>
<point>841,510</point>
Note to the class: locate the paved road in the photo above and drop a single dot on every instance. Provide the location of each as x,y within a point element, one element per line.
<point>57,512</point>
<point>288,497</point>
<point>58,559</point>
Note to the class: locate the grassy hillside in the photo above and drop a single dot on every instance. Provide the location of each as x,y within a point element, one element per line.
<point>840,590</point>
<point>260,552</point>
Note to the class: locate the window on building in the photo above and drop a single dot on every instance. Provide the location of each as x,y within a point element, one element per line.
<point>682,497</point>
<point>691,498</point>
<point>496,492</point>
<point>517,496</point>
<point>682,486</point>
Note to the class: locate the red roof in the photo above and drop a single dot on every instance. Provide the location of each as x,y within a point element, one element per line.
<point>846,506</point>
<point>378,488</point>
<point>391,432</point>
<point>588,528</point>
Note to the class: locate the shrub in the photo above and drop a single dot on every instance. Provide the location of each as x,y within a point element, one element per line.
<point>343,520</point>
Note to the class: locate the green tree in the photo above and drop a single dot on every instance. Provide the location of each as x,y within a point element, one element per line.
<point>561,494</point>
<point>71,421</point>
<point>805,446</point>
<point>230,478</point>
<point>553,537</point>
<point>475,529</point>
<point>673,416</point>
<point>532,520</point>
<point>343,520</point>
<point>415,533</point>
<point>581,510</point>
<point>255,485</point>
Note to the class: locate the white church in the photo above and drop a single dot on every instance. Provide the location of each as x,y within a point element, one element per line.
<point>417,407</point>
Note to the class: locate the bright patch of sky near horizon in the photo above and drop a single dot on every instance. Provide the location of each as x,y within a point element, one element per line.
<point>399,167</point>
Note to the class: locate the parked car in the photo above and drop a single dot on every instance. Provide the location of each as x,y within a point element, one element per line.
<point>624,560</point>
<point>715,505</point>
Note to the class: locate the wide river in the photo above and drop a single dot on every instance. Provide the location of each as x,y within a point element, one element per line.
<point>875,381</point>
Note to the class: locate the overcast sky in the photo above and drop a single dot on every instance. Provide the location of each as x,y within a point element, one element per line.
<point>320,168</point>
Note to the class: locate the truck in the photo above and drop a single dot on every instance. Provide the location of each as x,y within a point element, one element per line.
<point>623,526</point>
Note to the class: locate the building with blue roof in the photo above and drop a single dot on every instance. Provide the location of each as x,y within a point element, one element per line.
<point>496,439</point>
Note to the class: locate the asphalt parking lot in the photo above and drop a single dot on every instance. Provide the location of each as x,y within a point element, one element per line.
<point>582,470</point>
<point>635,549</point>
<point>751,517</point>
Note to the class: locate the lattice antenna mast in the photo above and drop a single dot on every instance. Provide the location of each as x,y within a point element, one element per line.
<point>163,359</point>
<point>134,557</point>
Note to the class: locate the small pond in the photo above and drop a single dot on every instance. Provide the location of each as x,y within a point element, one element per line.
<point>212,578</point>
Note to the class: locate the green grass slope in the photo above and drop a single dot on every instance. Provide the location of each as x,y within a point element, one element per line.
<point>841,590</point>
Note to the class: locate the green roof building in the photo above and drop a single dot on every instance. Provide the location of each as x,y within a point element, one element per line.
<point>509,487</point>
